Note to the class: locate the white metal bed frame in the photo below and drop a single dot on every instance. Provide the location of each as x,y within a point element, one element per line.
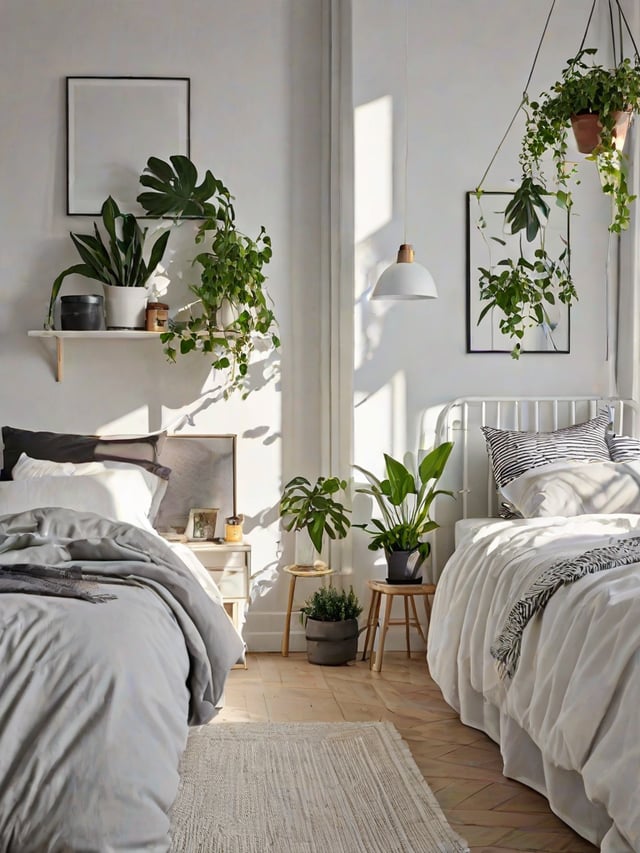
<point>468,472</point>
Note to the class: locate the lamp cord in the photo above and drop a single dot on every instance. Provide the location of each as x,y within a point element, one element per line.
<point>406,117</point>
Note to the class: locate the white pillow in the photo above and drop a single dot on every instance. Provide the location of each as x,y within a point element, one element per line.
<point>594,487</point>
<point>28,468</point>
<point>118,495</point>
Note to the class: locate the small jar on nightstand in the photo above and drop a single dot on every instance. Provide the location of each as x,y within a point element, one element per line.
<point>233,528</point>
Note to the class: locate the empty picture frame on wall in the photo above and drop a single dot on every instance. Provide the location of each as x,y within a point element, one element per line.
<point>483,251</point>
<point>114,124</point>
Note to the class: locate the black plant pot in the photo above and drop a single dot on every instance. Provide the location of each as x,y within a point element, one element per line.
<point>332,643</point>
<point>404,567</point>
<point>84,313</point>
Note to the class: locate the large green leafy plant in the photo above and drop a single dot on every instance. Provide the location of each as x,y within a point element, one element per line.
<point>315,508</point>
<point>115,259</point>
<point>230,268</point>
<point>404,498</point>
<point>522,289</point>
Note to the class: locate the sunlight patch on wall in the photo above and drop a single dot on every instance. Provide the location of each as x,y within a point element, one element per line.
<point>135,422</point>
<point>380,424</point>
<point>373,166</point>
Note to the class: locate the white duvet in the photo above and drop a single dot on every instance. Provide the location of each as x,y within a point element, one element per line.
<point>569,721</point>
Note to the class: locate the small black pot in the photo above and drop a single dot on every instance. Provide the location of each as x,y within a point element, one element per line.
<point>404,567</point>
<point>82,313</point>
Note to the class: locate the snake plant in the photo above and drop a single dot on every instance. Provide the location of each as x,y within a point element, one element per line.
<point>117,260</point>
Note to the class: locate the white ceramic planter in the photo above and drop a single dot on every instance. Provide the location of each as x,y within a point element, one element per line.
<point>125,306</point>
<point>305,553</point>
<point>227,314</point>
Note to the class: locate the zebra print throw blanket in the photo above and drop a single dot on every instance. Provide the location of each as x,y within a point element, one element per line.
<point>506,647</point>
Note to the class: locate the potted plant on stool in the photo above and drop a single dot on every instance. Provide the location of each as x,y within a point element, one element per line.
<point>404,499</point>
<point>312,511</point>
<point>330,617</point>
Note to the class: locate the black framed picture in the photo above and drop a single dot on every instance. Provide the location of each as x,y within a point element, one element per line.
<point>114,124</point>
<point>482,251</point>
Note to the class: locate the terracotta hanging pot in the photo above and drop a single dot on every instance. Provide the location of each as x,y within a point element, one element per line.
<point>587,127</point>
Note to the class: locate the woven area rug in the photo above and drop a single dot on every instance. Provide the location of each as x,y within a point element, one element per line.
<point>305,788</point>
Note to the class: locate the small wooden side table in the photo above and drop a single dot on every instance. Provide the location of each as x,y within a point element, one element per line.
<point>408,592</point>
<point>318,570</point>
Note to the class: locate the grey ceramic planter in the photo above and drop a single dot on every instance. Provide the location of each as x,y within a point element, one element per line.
<point>404,567</point>
<point>332,643</point>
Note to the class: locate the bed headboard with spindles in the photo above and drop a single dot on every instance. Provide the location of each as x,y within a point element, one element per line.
<point>468,472</point>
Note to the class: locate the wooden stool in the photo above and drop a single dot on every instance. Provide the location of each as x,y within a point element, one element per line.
<point>318,570</point>
<point>408,592</point>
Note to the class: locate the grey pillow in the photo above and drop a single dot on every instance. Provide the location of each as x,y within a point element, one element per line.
<point>513,452</point>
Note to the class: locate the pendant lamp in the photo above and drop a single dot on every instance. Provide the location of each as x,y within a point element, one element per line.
<point>405,279</point>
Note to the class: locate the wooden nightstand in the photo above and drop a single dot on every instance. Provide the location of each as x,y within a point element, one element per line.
<point>230,567</point>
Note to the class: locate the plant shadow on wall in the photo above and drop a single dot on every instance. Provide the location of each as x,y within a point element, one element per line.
<point>230,319</point>
<point>598,103</point>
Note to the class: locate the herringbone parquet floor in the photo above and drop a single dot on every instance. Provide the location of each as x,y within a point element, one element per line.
<point>462,766</point>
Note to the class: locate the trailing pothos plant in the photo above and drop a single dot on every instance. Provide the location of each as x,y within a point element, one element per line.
<point>230,266</point>
<point>522,288</point>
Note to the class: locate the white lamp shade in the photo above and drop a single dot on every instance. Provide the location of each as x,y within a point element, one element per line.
<point>405,279</point>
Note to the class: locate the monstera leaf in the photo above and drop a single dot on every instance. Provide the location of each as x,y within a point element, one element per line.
<point>174,188</point>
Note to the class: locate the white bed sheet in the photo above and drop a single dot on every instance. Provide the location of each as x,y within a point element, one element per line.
<point>568,723</point>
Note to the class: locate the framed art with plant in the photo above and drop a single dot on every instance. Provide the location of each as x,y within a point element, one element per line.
<point>499,276</point>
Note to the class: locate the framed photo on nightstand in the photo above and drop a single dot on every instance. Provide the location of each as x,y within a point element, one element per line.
<point>201,526</point>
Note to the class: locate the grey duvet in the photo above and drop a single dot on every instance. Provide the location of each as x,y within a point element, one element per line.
<point>96,697</point>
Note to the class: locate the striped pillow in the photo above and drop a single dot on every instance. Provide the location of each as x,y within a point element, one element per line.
<point>512,452</point>
<point>623,448</point>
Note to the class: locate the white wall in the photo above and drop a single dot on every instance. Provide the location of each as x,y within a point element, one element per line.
<point>255,113</point>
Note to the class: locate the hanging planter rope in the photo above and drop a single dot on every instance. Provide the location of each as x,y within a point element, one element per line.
<point>586,94</point>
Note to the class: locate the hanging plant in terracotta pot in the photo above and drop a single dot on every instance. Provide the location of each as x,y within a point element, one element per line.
<point>587,129</point>
<point>594,99</point>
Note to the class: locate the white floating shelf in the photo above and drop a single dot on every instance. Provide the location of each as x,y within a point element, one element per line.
<point>61,335</point>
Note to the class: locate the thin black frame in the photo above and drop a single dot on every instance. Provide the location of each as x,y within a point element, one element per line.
<point>70,80</point>
<point>471,197</point>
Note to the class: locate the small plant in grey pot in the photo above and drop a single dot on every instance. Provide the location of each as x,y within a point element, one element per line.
<point>330,617</point>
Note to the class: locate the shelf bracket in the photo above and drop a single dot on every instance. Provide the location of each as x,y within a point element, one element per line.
<point>59,359</point>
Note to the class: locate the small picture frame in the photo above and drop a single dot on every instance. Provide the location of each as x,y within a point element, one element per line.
<point>201,526</point>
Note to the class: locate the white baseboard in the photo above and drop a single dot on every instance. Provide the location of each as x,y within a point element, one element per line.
<point>263,633</point>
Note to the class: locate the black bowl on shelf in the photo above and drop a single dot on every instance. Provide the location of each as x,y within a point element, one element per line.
<point>84,313</point>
